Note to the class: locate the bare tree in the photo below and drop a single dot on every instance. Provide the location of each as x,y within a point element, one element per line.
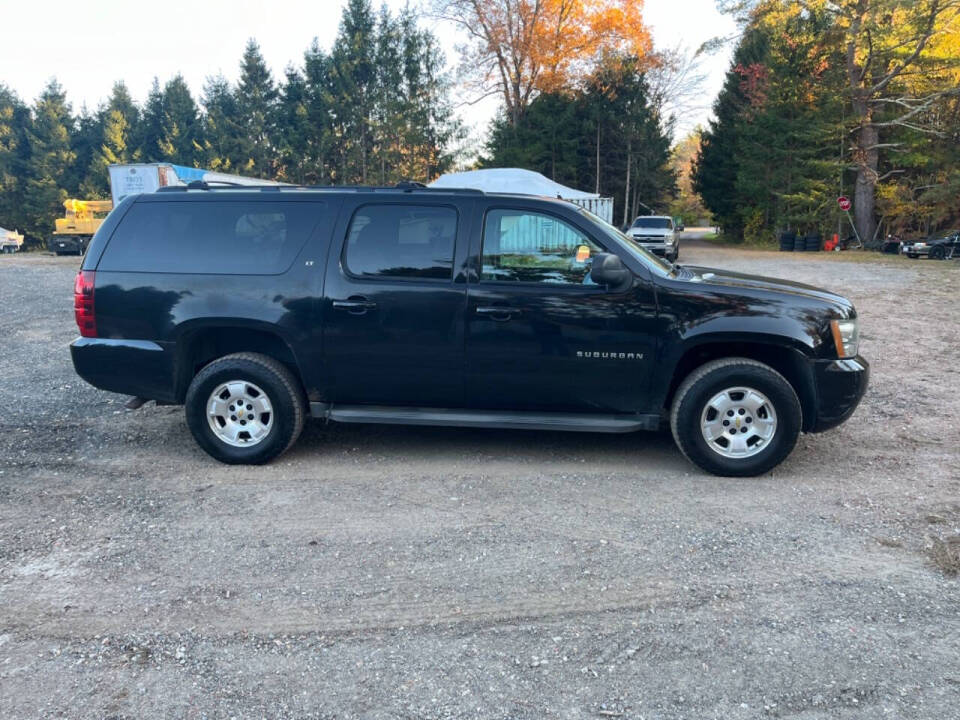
<point>676,80</point>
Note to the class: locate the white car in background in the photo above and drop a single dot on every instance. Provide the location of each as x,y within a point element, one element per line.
<point>657,234</point>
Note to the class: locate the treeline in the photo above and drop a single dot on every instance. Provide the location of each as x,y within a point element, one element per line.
<point>853,97</point>
<point>606,135</point>
<point>375,109</point>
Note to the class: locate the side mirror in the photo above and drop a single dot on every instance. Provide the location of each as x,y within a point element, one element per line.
<point>608,269</point>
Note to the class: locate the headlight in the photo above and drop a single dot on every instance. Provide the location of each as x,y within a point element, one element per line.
<point>668,240</point>
<point>846,336</point>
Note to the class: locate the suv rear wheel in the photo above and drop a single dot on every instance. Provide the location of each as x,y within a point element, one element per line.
<point>735,417</point>
<point>245,408</point>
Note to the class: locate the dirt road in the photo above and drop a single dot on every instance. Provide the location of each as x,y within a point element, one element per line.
<point>390,572</point>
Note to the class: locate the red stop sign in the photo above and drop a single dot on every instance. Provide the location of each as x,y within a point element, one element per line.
<point>844,202</point>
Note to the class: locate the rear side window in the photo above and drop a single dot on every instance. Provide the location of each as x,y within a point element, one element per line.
<point>401,241</point>
<point>215,238</point>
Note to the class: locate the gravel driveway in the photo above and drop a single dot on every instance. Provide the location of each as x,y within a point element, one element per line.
<point>390,572</point>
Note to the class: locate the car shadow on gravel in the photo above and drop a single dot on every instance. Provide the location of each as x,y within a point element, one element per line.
<point>418,444</point>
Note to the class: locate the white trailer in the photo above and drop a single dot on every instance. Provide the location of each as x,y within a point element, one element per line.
<point>10,241</point>
<point>140,178</point>
<point>526,182</point>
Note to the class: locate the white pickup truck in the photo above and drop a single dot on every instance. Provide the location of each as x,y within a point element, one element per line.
<point>10,241</point>
<point>657,234</point>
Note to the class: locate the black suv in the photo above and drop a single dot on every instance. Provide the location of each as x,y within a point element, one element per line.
<point>254,307</point>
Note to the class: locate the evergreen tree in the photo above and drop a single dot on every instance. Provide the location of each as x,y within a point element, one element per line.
<point>116,133</point>
<point>181,139</point>
<point>318,140</point>
<point>84,142</point>
<point>256,98</point>
<point>152,128</point>
<point>432,125</point>
<point>14,121</point>
<point>390,121</point>
<point>295,131</point>
<point>49,161</point>
<point>718,164</point>
<point>606,137</point>
<point>352,87</point>
<point>223,131</point>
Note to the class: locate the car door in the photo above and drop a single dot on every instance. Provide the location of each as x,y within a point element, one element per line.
<point>393,304</point>
<point>541,336</point>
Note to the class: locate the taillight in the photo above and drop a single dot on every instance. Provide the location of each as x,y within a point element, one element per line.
<point>83,303</point>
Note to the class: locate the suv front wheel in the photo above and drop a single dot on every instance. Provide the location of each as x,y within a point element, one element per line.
<point>245,408</point>
<point>735,417</point>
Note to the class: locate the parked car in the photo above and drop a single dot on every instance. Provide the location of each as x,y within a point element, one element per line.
<point>657,234</point>
<point>256,308</point>
<point>936,248</point>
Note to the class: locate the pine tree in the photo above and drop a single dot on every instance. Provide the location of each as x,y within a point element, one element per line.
<point>152,128</point>
<point>718,164</point>
<point>49,160</point>
<point>14,120</point>
<point>317,153</point>
<point>181,139</point>
<point>390,121</point>
<point>256,98</point>
<point>432,125</point>
<point>117,131</point>
<point>223,130</point>
<point>294,129</point>
<point>352,88</point>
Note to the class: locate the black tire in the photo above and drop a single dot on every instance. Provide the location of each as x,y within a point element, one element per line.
<point>704,383</point>
<point>938,252</point>
<point>282,389</point>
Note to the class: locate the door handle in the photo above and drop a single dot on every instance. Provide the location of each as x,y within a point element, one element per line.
<point>497,312</point>
<point>354,305</point>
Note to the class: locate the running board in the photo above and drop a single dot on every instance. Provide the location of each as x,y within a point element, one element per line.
<point>576,422</point>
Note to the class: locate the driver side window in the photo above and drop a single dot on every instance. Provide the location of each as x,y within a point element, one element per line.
<point>524,246</point>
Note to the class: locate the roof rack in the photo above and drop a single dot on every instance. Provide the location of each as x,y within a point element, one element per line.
<point>406,186</point>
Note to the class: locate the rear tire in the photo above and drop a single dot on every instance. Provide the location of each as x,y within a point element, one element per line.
<point>695,400</point>
<point>265,377</point>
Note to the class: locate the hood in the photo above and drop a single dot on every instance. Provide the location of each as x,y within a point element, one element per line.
<point>731,279</point>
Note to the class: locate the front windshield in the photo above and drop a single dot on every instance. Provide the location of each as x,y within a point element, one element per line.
<point>658,265</point>
<point>657,223</point>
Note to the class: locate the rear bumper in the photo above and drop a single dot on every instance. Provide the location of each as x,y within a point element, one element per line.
<point>840,385</point>
<point>131,367</point>
<point>66,243</point>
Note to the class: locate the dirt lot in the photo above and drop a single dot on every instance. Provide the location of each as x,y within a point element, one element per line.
<point>389,572</point>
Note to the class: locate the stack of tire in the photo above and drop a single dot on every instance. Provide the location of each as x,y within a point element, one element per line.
<point>788,241</point>
<point>812,243</point>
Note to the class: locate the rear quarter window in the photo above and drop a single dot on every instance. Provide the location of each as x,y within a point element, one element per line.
<point>211,238</point>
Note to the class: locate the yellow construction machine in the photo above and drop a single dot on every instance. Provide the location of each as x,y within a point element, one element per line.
<point>83,218</point>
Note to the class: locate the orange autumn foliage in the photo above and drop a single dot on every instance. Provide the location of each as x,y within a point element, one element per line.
<point>519,48</point>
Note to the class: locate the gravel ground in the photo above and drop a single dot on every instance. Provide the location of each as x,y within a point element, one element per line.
<point>390,572</point>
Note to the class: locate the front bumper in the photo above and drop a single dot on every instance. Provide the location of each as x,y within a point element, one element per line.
<point>657,248</point>
<point>840,385</point>
<point>131,367</point>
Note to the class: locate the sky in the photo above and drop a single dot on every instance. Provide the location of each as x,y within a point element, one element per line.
<point>89,45</point>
